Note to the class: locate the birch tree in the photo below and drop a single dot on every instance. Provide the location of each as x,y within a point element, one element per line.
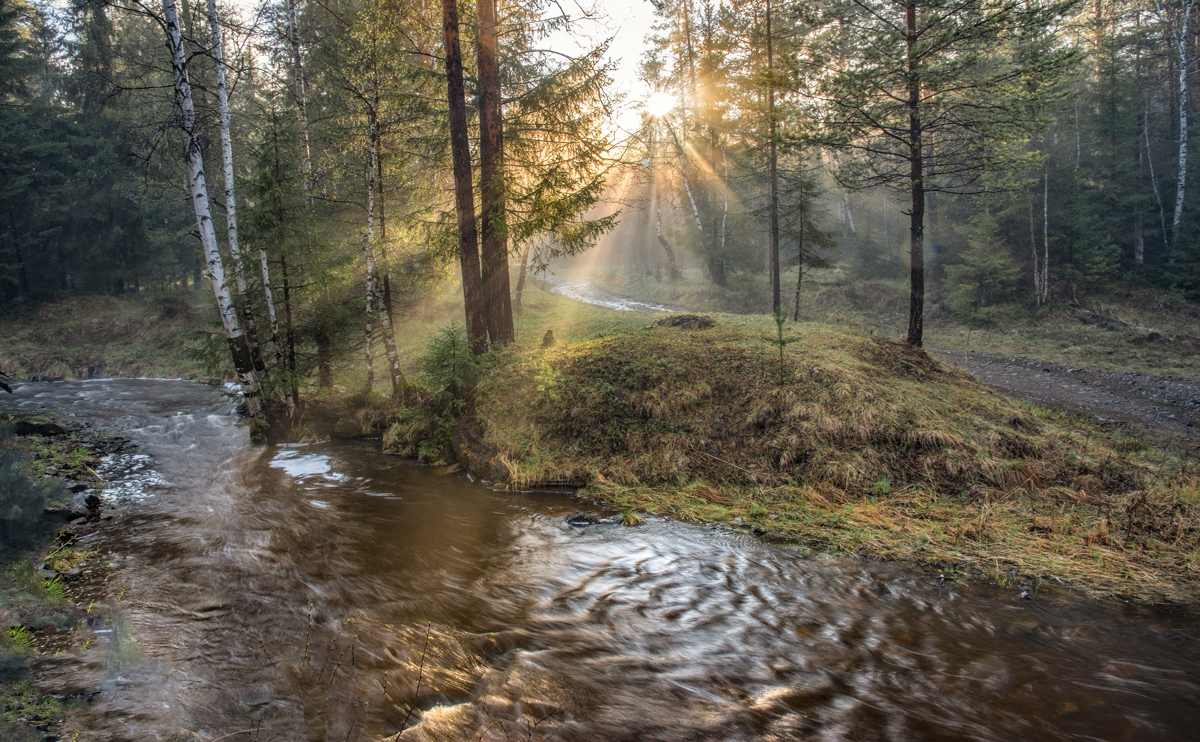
<point>235,253</point>
<point>1178,22</point>
<point>238,346</point>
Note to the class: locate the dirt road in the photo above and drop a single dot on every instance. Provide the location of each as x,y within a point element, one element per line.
<point>1158,401</point>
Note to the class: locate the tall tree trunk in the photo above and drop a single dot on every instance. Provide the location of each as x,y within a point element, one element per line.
<point>773,170</point>
<point>1139,231</point>
<point>672,265</point>
<point>298,91</point>
<point>276,341</point>
<point>464,194</point>
<point>369,251</point>
<point>235,253</point>
<point>916,256</point>
<point>1044,295</point>
<point>495,278</point>
<point>238,347</point>
<point>800,268</point>
<point>1162,213</point>
<point>399,383</point>
<point>1037,261</point>
<point>521,277</point>
<point>290,334</point>
<point>1183,69</point>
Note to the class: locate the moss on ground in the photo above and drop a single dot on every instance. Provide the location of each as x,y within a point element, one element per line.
<point>865,446</point>
<point>34,600</point>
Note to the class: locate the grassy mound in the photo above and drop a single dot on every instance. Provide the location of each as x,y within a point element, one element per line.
<point>851,443</point>
<point>1119,329</point>
<point>102,336</point>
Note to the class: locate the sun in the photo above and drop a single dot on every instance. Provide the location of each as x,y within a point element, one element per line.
<point>659,104</point>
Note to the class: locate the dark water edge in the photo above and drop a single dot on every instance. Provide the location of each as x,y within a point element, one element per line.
<point>303,590</point>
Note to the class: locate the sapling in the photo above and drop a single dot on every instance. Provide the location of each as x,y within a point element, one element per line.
<point>779,341</point>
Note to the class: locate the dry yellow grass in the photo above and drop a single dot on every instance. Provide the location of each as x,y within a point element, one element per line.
<point>866,447</point>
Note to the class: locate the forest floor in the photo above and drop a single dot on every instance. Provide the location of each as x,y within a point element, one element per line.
<point>92,337</point>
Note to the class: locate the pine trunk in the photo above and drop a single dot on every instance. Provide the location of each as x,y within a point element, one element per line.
<point>773,174</point>
<point>495,278</point>
<point>916,295</point>
<point>290,333</point>
<point>464,194</point>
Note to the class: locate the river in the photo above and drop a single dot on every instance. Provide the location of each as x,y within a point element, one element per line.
<point>318,592</point>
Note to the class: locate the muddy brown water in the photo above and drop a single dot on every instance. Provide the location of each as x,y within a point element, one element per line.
<point>303,591</point>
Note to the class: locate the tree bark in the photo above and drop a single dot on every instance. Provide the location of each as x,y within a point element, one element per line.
<point>1185,69</point>
<point>773,167</point>
<point>521,277</point>
<point>238,347</point>
<point>495,278</point>
<point>298,92</point>
<point>916,295</point>
<point>290,332</point>
<point>368,252</point>
<point>672,265</point>
<point>464,195</point>
<point>399,383</point>
<point>1033,246</point>
<point>235,253</point>
<point>800,268</point>
<point>1044,294</point>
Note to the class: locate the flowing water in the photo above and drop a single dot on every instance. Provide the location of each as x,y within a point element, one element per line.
<point>320,592</point>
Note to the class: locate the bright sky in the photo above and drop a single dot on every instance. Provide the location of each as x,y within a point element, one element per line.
<point>628,23</point>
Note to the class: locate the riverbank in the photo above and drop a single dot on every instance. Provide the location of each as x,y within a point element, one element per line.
<point>850,444</point>
<point>52,498</point>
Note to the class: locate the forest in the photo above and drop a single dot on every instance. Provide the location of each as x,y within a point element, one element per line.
<point>644,370</point>
<point>319,166</point>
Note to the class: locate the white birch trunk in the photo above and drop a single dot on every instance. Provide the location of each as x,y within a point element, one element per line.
<point>1044,295</point>
<point>368,254</point>
<point>298,91</point>
<point>1033,247</point>
<point>1179,34</point>
<point>276,342</point>
<point>204,223</point>
<point>239,270</point>
<point>1181,180</point>
<point>687,186</point>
